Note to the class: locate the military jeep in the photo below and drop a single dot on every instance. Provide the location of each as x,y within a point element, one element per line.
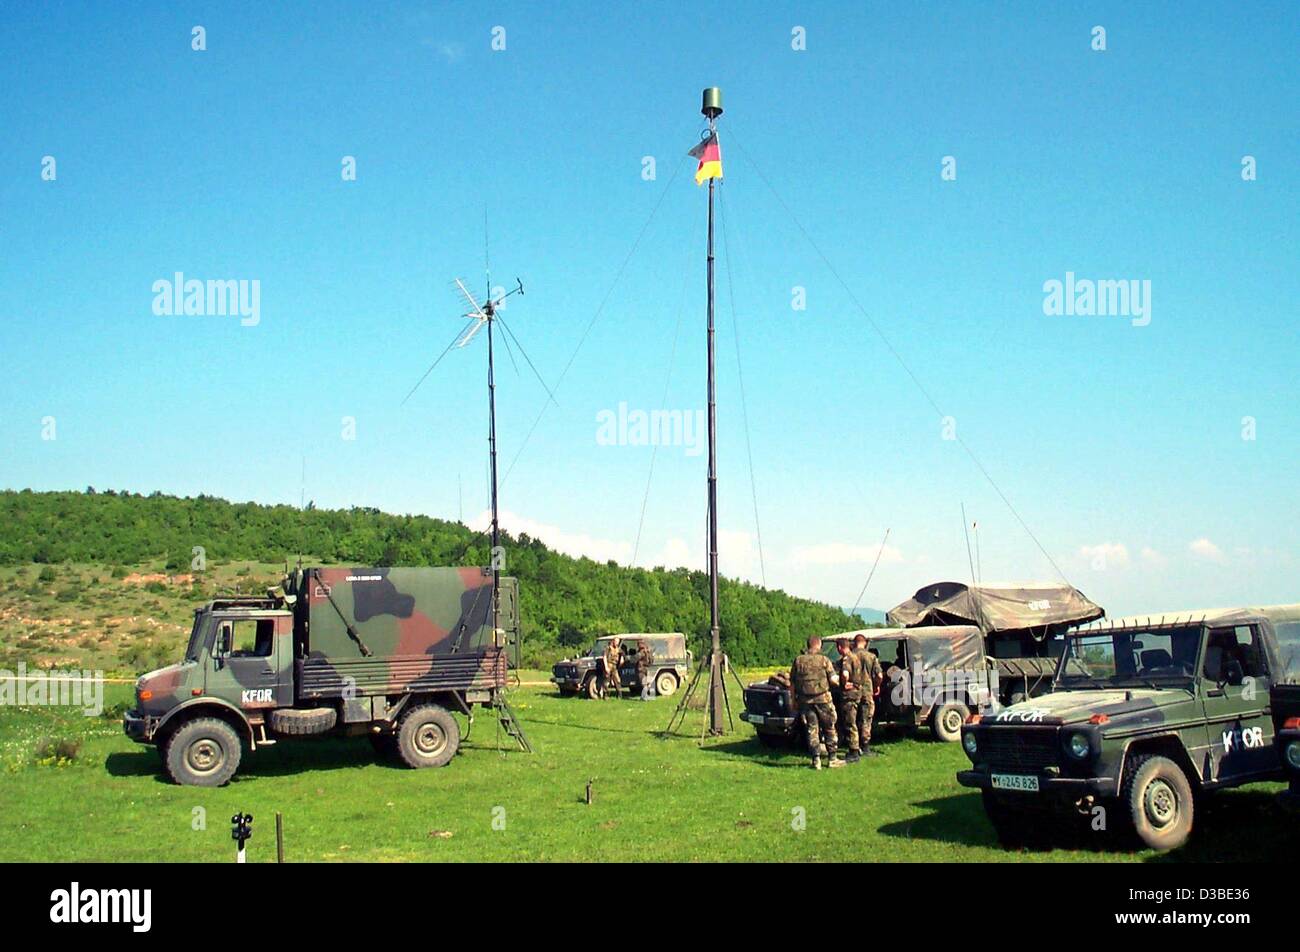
<point>1145,714</point>
<point>933,676</point>
<point>668,669</point>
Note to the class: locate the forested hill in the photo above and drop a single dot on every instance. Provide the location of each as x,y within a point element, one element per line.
<point>564,600</point>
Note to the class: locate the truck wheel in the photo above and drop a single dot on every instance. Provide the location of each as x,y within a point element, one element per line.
<point>204,752</point>
<point>666,684</point>
<point>428,736</point>
<point>591,687</point>
<point>1158,800</point>
<point>303,721</point>
<point>946,721</point>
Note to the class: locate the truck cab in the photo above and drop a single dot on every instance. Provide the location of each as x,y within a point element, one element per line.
<point>1145,713</point>
<point>239,659</point>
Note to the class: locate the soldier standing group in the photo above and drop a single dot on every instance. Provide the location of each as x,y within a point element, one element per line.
<point>858,677</point>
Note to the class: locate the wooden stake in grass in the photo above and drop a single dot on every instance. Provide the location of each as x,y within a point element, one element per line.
<point>279,837</point>
<point>589,783</point>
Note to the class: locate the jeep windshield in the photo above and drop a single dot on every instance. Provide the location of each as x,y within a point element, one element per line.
<point>1129,657</point>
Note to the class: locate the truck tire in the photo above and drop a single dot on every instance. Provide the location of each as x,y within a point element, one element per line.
<point>591,687</point>
<point>428,736</point>
<point>665,684</point>
<point>1158,801</point>
<point>946,721</point>
<point>204,752</point>
<point>302,722</point>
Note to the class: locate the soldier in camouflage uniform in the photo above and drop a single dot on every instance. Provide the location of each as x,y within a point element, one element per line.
<point>644,658</point>
<point>811,677</point>
<point>613,655</point>
<point>853,684</point>
<point>872,677</point>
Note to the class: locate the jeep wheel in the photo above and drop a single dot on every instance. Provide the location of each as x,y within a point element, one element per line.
<point>1158,800</point>
<point>1010,829</point>
<point>591,687</point>
<point>665,684</point>
<point>203,753</point>
<point>946,721</point>
<point>428,736</point>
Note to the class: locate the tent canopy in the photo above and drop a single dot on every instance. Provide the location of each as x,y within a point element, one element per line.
<point>1009,607</point>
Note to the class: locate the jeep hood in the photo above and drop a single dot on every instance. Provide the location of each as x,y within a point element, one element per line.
<point>1074,707</point>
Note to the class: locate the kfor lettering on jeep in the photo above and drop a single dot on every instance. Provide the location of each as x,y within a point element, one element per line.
<point>1144,714</point>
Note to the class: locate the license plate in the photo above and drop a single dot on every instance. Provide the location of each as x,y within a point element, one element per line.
<point>1015,782</point>
<point>757,719</point>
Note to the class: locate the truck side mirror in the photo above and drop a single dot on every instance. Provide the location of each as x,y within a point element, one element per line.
<point>223,641</point>
<point>1233,675</point>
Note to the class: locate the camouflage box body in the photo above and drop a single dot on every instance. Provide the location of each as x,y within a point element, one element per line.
<point>1144,713</point>
<point>370,632</point>
<point>933,675</point>
<point>336,649</point>
<point>668,670</point>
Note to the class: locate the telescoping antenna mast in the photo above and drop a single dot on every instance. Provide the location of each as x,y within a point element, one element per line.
<point>718,702</point>
<point>480,316</point>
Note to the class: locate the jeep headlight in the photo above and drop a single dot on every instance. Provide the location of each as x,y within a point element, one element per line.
<point>1078,746</point>
<point>1293,754</point>
<point>969,742</point>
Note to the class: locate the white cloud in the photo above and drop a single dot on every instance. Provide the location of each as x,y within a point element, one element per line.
<point>1203,548</point>
<point>843,553</point>
<point>569,543</point>
<point>1105,555</point>
<point>1153,558</point>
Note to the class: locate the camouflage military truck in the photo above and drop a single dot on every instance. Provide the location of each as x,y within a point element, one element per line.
<point>1144,716</point>
<point>1022,624</point>
<point>934,677</point>
<point>385,652</point>
<point>667,672</point>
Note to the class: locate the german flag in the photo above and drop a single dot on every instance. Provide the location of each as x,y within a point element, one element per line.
<point>710,156</point>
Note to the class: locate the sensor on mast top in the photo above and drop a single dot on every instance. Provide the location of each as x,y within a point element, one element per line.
<point>712,102</point>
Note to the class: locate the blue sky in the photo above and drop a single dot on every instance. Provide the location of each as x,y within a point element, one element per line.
<point>1120,446</point>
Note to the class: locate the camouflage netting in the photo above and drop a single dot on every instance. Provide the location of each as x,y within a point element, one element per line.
<point>1031,605</point>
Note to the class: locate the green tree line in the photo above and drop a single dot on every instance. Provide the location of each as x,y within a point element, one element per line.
<point>564,601</point>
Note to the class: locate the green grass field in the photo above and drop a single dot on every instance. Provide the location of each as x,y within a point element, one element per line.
<point>654,799</point>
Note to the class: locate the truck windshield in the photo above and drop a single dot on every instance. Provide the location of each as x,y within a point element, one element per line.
<point>1129,657</point>
<point>196,636</point>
